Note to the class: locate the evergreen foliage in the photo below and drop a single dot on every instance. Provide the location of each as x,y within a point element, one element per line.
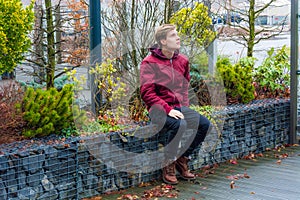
<point>237,79</point>
<point>49,111</point>
<point>15,24</point>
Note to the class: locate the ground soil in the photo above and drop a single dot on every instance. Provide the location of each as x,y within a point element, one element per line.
<point>9,136</point>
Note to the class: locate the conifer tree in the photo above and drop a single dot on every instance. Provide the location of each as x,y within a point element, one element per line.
<point>15,24</point>
<point>49,111</point>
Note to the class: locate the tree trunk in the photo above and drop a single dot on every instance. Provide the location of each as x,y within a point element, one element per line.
<point>228,21</point>
<point>132,25</point>
<point>168,10</point>
<point>250,42</point>
<point>38,57</point>
<point>58,34</point>
<point>50,68</point>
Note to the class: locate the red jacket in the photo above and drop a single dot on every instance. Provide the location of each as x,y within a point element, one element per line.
<point>164,82</point>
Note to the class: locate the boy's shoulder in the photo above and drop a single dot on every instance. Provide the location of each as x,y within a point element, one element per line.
<point>151,58</point>
<point>179,58</point>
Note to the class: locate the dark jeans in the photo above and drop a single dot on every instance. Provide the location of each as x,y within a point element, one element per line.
<point>176,128</point>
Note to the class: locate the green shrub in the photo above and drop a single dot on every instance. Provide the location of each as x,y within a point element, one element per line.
<point>16,22</point>
<point>199,87</point>
<point>272,78</point>
<point>204,110</point>
<point>237,79</point>
<point>70,131</point>
<point>58,83</point>
<point>49,111</point>
<point>200,63</point>
<point>211,114</point>
<point>111,88</point>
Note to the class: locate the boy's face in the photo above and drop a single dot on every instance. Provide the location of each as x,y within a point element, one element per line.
<point>172,41</point>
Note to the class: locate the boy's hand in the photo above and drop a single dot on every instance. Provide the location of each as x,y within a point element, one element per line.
<point>176,114</point>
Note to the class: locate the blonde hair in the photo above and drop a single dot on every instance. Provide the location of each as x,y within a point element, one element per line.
<point>162,31</point>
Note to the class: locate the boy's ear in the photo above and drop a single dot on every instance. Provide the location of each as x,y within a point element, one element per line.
<point>163,42</point>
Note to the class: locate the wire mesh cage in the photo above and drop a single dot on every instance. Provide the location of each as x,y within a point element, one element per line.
<point>83,167</point>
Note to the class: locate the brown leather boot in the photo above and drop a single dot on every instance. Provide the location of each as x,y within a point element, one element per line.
<point>169,174</point>
<point>182,168</point>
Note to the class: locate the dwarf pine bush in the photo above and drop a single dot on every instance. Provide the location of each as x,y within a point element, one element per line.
<point>49,111</point>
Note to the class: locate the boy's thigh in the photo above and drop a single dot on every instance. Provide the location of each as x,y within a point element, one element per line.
<point>163,121</point>
<point>193,118</point>
<point>190,115</point>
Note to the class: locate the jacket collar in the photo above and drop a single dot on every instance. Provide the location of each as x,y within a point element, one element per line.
<point>156,51</point>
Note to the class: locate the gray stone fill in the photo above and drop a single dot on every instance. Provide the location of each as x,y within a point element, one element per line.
<point>79,170</point>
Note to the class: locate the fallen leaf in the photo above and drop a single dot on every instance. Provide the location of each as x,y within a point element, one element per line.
<point>144,184</point>
<point>278,162</point>
<point>238,176</point>
<point>276,155</point>
<point>169,187</point>
<point>163,190</point>
<point>216,165</point>
<point>201,175</point>
<point>232,177</point>
<point>260,155</point>
<point>234,162</point>
<point>246,175</point>
<point>93,198</point>
<point>285,155</point>
<point>252,192</point>
<point>128,197</point>
<point>232,184</point>
<point>206,167</point>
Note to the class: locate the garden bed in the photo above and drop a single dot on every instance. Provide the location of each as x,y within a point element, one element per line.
<point>74,168</point>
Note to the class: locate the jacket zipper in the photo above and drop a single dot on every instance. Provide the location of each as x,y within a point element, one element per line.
<point>171,61</point>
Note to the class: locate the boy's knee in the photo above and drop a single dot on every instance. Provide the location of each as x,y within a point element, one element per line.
<point>204,123</point>
<point>179,124</point>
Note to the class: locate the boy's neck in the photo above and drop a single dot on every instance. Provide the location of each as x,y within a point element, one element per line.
<point>167,53</point>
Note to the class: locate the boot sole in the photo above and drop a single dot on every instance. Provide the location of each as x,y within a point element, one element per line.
<point>168,182</point>
<point>187,179</point>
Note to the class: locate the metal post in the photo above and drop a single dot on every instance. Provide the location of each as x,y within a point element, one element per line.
<point>211,50</point>
<point>95,49</point>
<point>294,70</point>
<point>212,54</point>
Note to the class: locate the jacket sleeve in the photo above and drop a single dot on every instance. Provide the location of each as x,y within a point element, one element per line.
<point>147,87</point>
<point>186,83</point>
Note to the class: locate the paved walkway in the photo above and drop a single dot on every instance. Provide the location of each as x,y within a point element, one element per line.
<point>273,175</point>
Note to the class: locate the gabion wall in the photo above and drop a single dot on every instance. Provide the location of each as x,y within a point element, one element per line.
<point>88,166</point>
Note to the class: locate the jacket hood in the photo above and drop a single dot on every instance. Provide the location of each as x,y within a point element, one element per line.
<point>156,51</point>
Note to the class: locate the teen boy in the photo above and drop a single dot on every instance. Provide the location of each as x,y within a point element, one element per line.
<point>164,76</point>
